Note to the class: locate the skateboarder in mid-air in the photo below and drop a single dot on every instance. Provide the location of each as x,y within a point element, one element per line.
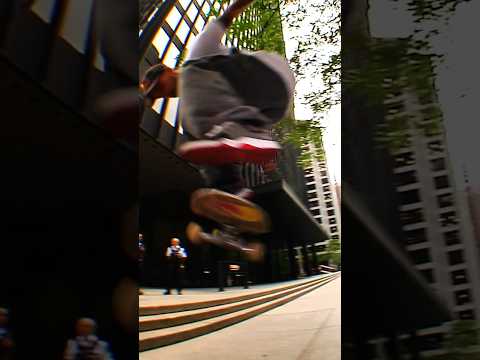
<point>229,102</point>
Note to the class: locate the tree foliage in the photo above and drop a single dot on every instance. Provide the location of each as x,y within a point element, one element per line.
<point>463,335</point>
<point>261,28</point>
<point>388,67</point>
<point>334,251</point>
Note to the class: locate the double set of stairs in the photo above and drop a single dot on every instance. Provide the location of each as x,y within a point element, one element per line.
<point>168,324</point>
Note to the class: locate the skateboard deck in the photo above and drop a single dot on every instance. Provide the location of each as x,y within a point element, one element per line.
<point>235,216</point>
<point>230,210</point>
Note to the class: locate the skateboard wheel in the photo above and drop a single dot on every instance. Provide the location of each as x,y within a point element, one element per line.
<point>193,233</point>
<point>256,252</point>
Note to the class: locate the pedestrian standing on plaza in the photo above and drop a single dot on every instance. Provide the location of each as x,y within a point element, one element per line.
<point>176,257</point>
<point>141,256</point>
<point>86,345</point>
<point>6,342</point>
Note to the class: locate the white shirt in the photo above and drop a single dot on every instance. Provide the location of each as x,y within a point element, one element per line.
<point>181,251</point>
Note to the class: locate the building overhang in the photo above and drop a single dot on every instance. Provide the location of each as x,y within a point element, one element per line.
<point>385,293</point>
<point>162,172</point>
<point>283,205</point>
<point>52,153</point>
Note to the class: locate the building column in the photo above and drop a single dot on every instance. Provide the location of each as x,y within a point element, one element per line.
<point>392,347</point>
<point>413,346</point>
<point>306,261</point>
<point>313,251</point>
<point>292,260</point>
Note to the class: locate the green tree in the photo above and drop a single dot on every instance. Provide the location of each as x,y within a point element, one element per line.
<point>261,28</point>
<point>463,335</point>
<point>333,251</point>
<point>388,67</point>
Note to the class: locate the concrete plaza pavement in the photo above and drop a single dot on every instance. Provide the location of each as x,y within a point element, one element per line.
<point>308,328</point>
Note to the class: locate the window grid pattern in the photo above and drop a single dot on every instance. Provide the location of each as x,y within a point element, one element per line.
<point>178,31</point>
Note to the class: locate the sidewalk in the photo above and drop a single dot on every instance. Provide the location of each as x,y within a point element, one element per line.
<point>154,297</point>
<point>307,328</point>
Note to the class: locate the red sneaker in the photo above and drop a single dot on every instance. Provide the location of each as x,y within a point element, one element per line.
<point>226,151</point>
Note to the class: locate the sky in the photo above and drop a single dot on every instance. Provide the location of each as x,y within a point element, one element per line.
<point>457,81</point>
<point>332,120</point>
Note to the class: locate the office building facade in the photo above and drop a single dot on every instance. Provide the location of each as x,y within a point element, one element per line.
<point>322,196</point>
<point>437,230</point>
<point>165,194</point>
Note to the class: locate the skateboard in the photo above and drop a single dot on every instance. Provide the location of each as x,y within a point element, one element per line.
<point>235,215</point>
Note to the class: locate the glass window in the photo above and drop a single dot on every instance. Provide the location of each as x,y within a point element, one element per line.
<point>326,188</point>
<point>319,220</point>
<point>329,204</point>
<point>332,221</point>
<point>411,216</point>
<point>199,24</point>
<point>463,297</point>
<point>311,187</point>
<point>192,12</point>
<point>333,229</point>
<point>328,196</point>
<point>438,164</point>
<point>157,105</point>
<point>206,8</point>
<point>324,180</point>
<point>182,31</point>
<point>459,277</point>
<point>160,41</point>
<point>416,236</point>
<point>435,147</point>
<point>76,18</point>
<point>323,173</point>
<point>44,9</point>
<point>409,197</point>
<point>315,212</point>
<point>445,200</point>
<point>452,237</point>
<point>185,3</point>
<point>448,219</point>
<point>420,256</point>
<point>331,212</point>
<point>313,202</point>
<point>171,111</point>
<point>312,195</point>
<point>405,178</point>
<point>336,237</point>
<point>466,315</point>
<point>441,182</point>
<point>171,57</point>
<point>455,257</point>
<point>173,18</point>
<point>404,159</point>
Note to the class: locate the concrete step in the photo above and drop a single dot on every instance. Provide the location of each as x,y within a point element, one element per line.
<point>167,336</point>
<point>220,299</point>
<point>174,319</point>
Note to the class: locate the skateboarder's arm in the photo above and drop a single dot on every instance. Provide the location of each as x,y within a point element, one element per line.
<point>233,11</point>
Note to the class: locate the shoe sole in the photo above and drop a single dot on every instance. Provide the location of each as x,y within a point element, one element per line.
<point>225,151</point>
